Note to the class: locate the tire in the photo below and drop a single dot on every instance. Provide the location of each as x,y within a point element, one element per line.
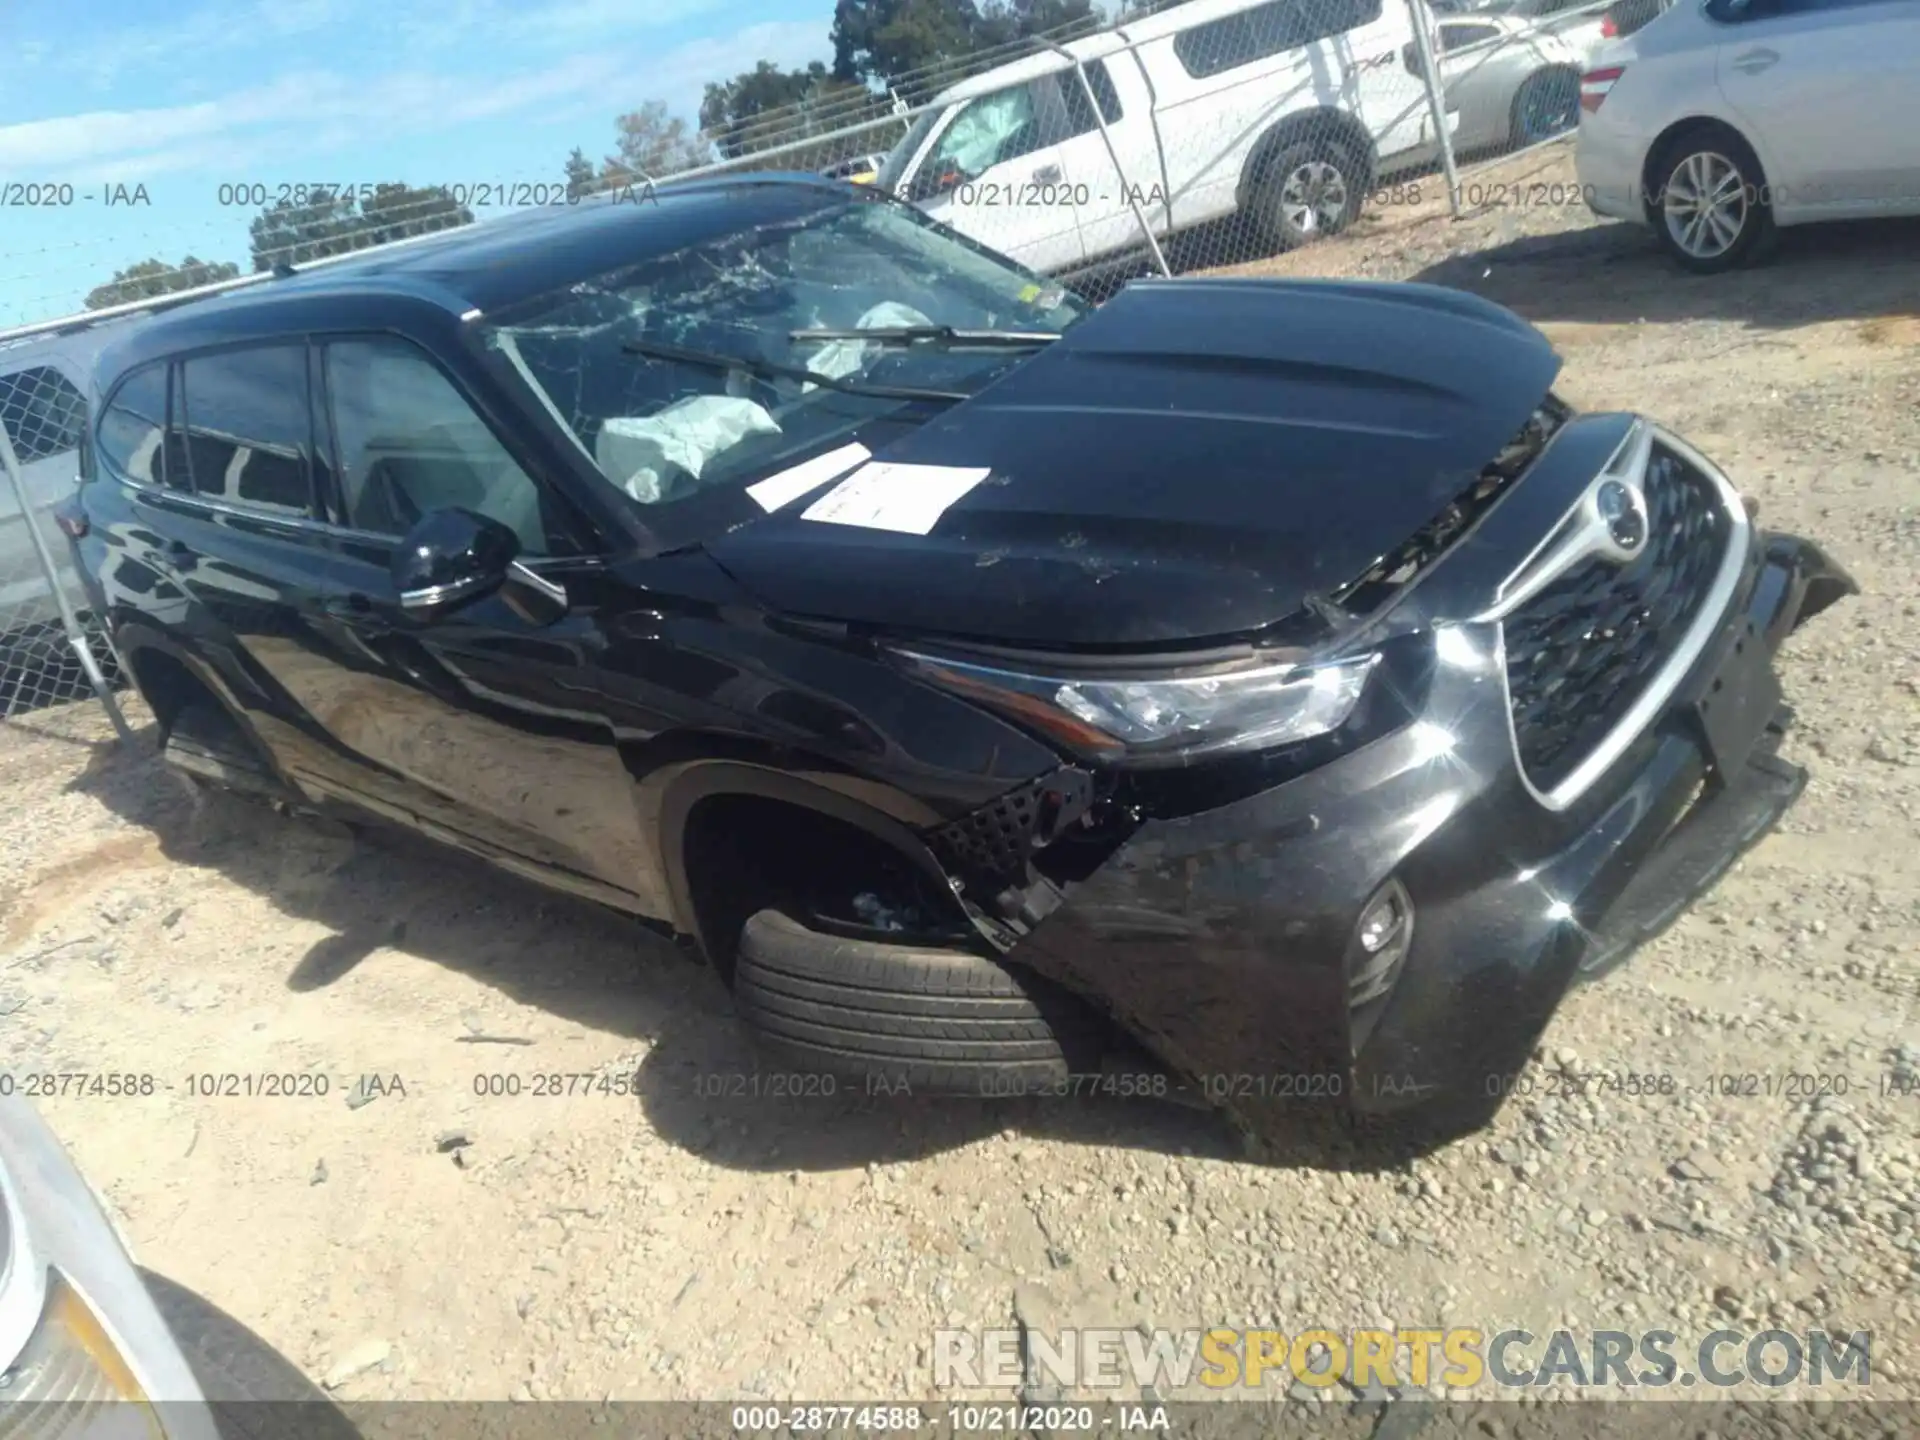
<point>1715,159</point>
<point>255,1392</point>
<point>944,1021</point>
<point>1546,105</point>
<point>1307,190</point>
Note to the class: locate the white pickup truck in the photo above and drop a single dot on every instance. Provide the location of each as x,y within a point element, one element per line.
<point>1288,112</point>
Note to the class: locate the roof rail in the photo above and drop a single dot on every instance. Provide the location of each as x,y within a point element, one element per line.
<point>86,319</point>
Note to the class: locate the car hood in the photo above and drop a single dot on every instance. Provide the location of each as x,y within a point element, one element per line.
<point>1194,460</point>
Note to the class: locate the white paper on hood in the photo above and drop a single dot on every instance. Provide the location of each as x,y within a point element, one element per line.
<point>790,484</point>
<point>907,498</point>
<point>639,451</point>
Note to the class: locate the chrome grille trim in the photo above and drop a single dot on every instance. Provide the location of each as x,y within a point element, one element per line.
<point>1556,556</point>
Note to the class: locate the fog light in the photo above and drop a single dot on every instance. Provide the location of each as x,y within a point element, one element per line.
<point>1381,923</point>
<point>1380,941</point>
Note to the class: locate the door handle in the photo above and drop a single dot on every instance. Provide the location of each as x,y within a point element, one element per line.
<point>1754,61</point>
<point>1047,175</point>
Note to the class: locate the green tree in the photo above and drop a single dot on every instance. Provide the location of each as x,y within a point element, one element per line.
<point>1004,22</point>
<point>919,46</point>
<point>579,173</point>
<point>149,278</point>
<point>882,41</point>
<point>767,106</point>
<point>653,142</point>
<point>289,233</point>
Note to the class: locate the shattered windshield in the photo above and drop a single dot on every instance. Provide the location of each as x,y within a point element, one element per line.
<point>626,361</point>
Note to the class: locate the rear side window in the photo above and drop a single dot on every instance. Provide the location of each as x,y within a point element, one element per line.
<point>43,411</point>
<point>1267,30</point>
<point>1462,37</point>
<point>1079,113</point>
<point>132,425</point>
<point>245,429</point>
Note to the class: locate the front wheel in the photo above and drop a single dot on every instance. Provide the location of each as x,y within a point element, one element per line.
<point>1309,190</point>
<point>1709,202</point>
<point>934,1019</point>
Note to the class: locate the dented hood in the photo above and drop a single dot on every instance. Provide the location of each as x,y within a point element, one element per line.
<point>1192,460</point>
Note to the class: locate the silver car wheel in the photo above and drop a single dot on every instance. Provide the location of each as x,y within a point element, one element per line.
<point>1314,198</point>
<point>1706,204</point>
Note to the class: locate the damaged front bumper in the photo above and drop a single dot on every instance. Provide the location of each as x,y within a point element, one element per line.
<point>1226,941</point>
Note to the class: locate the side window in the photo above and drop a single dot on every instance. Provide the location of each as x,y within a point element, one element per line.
<point>245,428</point>
<point>132,424</point>
<point>1267,30</point>
<point>43,411</point>
<point>1461,37</point>
<point>1080,117</point>
<point>410,444</point>
<point>988,131</point>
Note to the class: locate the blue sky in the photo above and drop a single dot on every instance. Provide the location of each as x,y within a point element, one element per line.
<point>182,96</point>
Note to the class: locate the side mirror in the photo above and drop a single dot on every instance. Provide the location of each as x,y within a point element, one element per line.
<point>1410,57</point>
<point>452,558</point>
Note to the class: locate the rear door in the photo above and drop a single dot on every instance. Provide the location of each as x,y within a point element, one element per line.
<point>1104,193</point>
<point>1830,92</point>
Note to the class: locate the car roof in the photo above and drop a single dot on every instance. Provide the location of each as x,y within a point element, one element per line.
<point>499,262</point>
<point>1161,23</point>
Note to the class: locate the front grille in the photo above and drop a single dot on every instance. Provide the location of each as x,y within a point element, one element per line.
<point>1583,650</point>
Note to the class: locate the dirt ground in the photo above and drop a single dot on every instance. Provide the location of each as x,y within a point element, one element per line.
<point>412,1235</point>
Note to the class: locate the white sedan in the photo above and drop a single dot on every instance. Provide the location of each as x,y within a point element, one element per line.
<point>1722,120</point>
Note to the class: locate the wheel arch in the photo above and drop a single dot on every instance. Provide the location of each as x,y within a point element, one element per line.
<point>168,675</point>
<point>698,794</point>
<point>1649,183</point>
<point>1320,123</point>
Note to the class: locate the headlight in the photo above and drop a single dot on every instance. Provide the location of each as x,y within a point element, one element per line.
<point>71,1368</point>
<point>1164,719</point>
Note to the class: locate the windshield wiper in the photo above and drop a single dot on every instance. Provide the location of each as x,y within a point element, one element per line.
<point>944,336</point>
<point>773,370</point>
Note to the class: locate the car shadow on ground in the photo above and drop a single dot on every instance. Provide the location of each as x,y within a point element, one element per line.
<point>1817,273</point>
<point>700,1084</point>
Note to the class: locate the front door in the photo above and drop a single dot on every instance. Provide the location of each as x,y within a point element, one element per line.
<point>479,720</point>
<point>1000,172</point>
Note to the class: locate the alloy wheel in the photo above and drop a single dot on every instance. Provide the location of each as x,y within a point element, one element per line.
<point>1706,205</point>
<point>1314,199</point>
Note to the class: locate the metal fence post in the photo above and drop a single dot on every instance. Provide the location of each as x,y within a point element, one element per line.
<point>1113,154</point>
<point>1436,98</point>
<point>76,633</point>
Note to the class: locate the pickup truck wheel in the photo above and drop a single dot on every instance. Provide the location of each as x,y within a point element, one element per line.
<point>941,1020</point>
<point>1309,189</point>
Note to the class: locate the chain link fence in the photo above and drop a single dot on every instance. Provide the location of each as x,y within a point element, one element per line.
<point>52,651</point>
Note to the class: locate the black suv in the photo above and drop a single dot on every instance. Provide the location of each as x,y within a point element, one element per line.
<point>1270,684</point>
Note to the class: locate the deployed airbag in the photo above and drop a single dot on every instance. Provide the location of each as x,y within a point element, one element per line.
<point>646,455</point>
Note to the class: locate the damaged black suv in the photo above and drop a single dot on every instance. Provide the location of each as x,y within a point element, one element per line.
<point>1269,684</point>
